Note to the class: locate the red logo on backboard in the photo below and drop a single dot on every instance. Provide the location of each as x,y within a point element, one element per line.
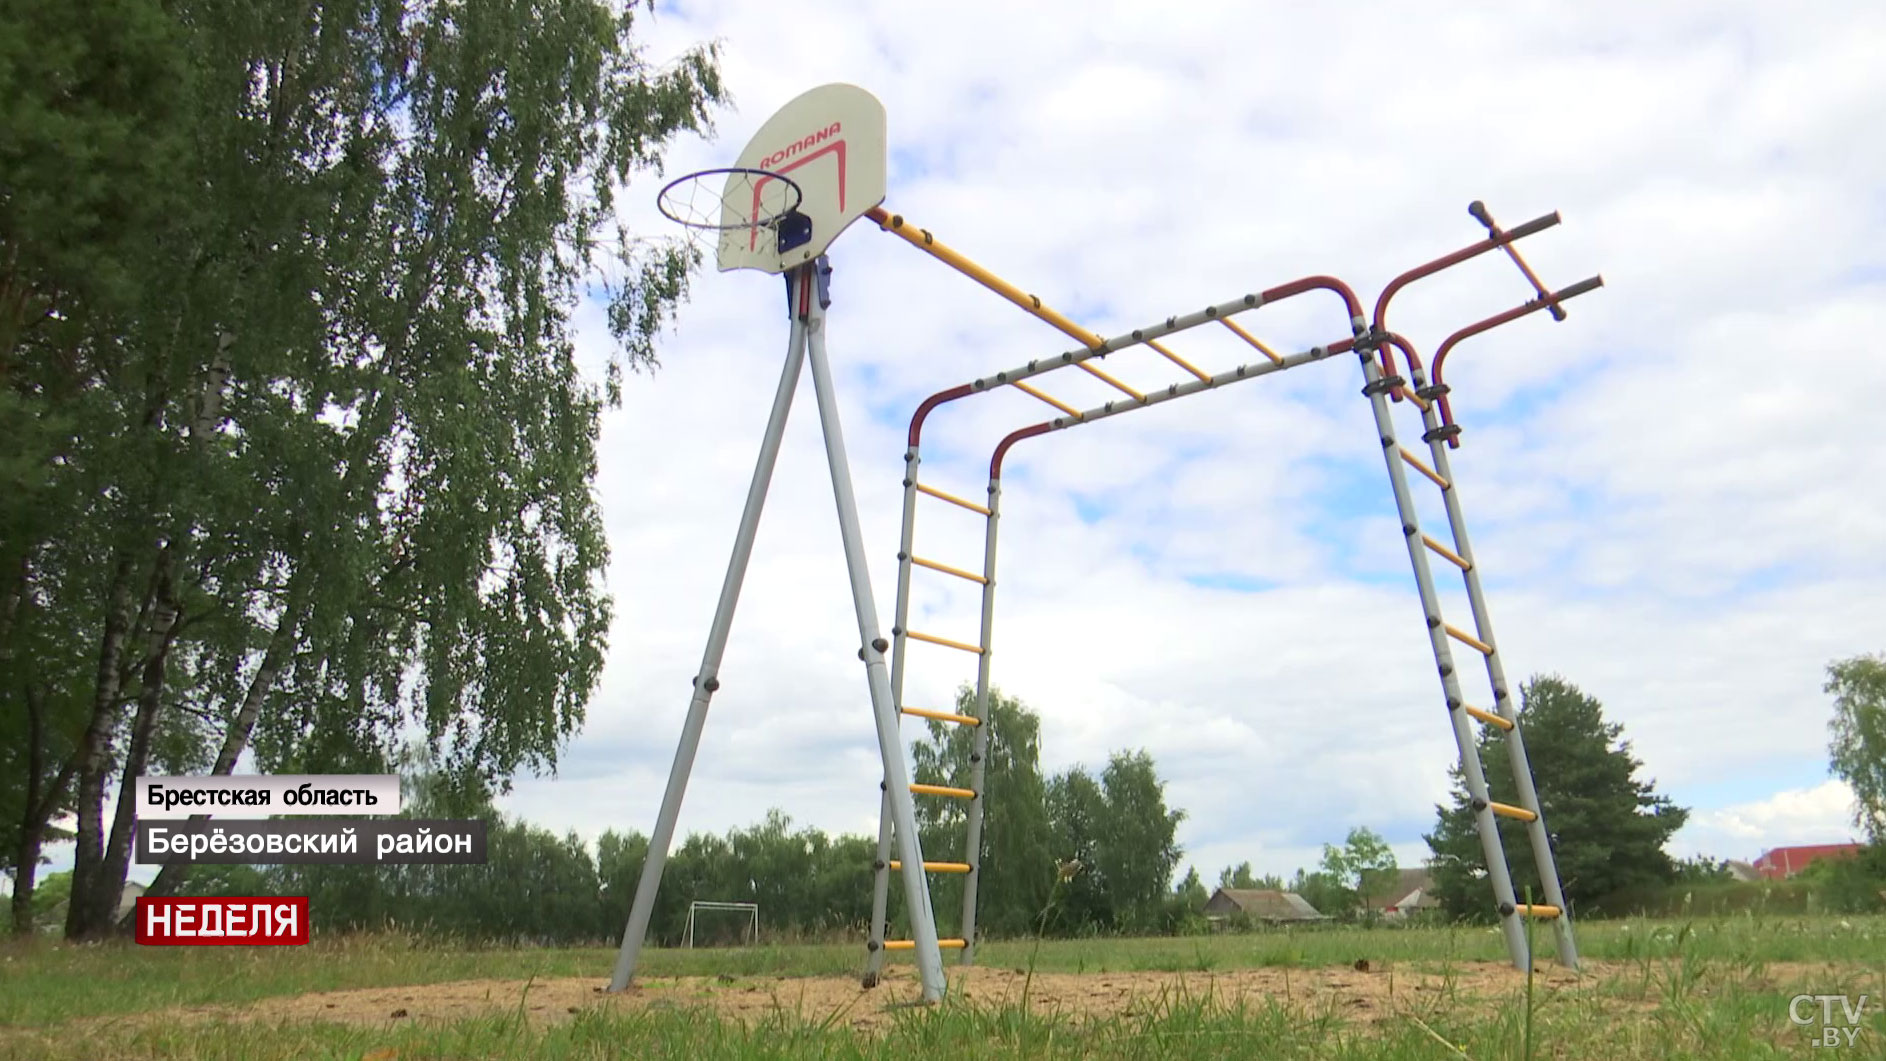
<point>834,133</point>
<point>223,921</point>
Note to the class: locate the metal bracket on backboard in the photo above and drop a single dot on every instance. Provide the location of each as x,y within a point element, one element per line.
<point>795,230</point>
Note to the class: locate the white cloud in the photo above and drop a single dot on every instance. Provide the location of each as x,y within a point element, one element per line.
<point>1668,492</point>
<point>1819,815</point>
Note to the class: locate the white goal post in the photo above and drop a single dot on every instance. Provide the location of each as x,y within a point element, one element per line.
<point>752,910</point>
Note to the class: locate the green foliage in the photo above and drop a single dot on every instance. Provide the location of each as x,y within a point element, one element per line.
<point>298,456</point>
<point>1242,876</point>
<point>1610,827</point>
<point>1017,872</point>
<point>1363,869</point>
<point>1858,749</point>
<point>1701,870</point>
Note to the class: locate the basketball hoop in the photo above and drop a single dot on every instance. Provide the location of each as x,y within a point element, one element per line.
<point>747,198</point>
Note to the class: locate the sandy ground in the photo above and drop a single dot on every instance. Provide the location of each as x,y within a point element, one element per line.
<point>1362,995</point>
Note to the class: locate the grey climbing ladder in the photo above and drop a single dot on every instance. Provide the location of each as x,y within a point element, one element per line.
<point>1443,635</point>
<point>902,635</point>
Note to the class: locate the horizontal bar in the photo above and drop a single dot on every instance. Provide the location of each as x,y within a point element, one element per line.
<point>1109,380</point>
<point>948,570</point>
<point>942,716</point>
<point>1491,719</point>
<point>1138,336</point>
<point>1177,360</point>
<point>1447,554</point>
<point>1507,810</point>
<point>1176,390</point>
<point>1238,330</point>
<point>911,944</point>
<point>1536,910</point>
<point>943,790</point>
<point>952,499</point>
<point>945,642</point>
<point>1180,390</point>
<point>1056,402</point>
<point>937,867</point>
<point>1415,463</point>
<point>1467,639</point>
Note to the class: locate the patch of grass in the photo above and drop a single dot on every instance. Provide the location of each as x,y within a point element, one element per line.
<point>1726,1018</point>
<point>1683,967</point>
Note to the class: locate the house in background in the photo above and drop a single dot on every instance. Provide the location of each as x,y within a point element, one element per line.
<point>1258,904</point>
<point>1784,862</point>
<point>1742,871</point>
<point>1412,893</point>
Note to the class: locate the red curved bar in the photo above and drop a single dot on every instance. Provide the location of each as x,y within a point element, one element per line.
<point>930,403</point>
<point>1002,447</point>
<point>1550,299</point>
<point>1448,261</point>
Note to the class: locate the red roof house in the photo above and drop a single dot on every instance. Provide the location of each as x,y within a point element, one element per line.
<point>1784,862</point>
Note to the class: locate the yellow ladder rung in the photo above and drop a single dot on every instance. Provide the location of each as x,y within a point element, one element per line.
<point>1238,330</point>
<point>1536,910</point>
<point>946,642</point>
<point>911,944</point>
<point>1507,810</point>
<point>942,716</point>
<point>937,867</point>
<point>1488,717</point>
<point>1447,554</point>
<point>952,499</point>
<point>1419,402</point>
<point>948,570</point>
<point>1179,361</point>
<point>1467,639</point>
<point>1110,381</point>
<point>1056,402</point>
<point>1415,463</point>
<point>943,790</point>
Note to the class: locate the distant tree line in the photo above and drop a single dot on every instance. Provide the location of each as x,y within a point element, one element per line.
<point>539,886</point>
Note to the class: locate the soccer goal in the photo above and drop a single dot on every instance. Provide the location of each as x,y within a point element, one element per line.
<point>749,927</point>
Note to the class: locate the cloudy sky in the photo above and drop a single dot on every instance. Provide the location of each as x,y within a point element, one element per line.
<point>1669,493</point>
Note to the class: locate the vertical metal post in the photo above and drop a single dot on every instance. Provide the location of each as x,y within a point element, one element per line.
<point>883,706</point>
<point>1536,831</point>
<point>707,679</point>
<point>979,742</point>
<point>1475,776</point>
<point>880,876</point>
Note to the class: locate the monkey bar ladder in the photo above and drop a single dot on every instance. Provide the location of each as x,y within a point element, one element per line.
<point>1374,345</point>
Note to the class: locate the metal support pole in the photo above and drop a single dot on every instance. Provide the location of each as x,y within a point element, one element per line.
<point>1475,776</point>
<point>880,865</point>
<point>979,742</point>
<point>707,680</point>
<point>1536,831</point>
<point>883,705</point>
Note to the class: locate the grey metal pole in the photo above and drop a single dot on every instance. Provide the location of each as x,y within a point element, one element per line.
<point>884,708</point>
<point>880,866</point>
<point>979,743</point>
<point>1536,831</point>
<point>707,680</point>
<point>1484,819</point>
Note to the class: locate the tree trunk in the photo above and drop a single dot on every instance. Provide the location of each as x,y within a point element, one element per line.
<point>110,884</point>
<point>236,738</point>
<point>94,751</point>
<point>38,808</point>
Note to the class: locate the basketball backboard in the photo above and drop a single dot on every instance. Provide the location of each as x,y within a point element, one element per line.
<point>831,142</point>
